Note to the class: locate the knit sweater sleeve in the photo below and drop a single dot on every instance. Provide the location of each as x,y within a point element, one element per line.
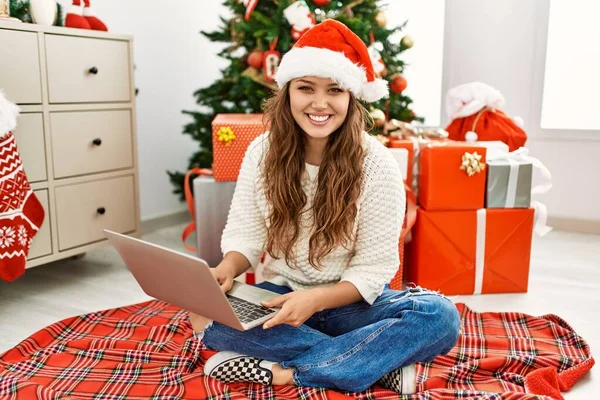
<point>381,213</point>
<point>245,230</point>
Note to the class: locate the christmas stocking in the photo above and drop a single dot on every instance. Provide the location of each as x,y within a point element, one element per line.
<point>75,19</point>
<point>21,213</point>
<point>90,15</point>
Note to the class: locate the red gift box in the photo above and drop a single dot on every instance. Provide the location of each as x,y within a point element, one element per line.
<point>471,252</point>
<point>444,184</point>
<point>232,134</point>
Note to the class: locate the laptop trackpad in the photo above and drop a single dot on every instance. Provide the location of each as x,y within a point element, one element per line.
<point>251,293</point>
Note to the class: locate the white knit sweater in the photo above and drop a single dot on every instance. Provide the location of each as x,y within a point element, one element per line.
<point>377,228</point>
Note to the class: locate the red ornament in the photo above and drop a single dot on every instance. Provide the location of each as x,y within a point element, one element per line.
<point>398,83</point>
<point>255,59</point>
<point>321,3</point>
<point>271,59</point>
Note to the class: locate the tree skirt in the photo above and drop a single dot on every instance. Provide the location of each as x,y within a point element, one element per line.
<point>147,351</point>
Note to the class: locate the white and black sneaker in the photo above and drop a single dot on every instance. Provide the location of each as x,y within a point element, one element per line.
<point>230,367</point>
<point>401,380</point>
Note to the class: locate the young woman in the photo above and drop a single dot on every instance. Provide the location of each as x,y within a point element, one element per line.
<point>326,201</point>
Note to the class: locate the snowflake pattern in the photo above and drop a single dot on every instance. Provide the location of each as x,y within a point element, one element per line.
<point>7,236</point>
<point>22,236</point>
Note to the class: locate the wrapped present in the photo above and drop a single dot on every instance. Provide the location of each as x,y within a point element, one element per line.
<point>411,149</point>
<point>452,176</point>
<point>472,252</point>
<point>402,157</point>
<point>509,180</point>
<point>232,134</point>
<point>474,110</point>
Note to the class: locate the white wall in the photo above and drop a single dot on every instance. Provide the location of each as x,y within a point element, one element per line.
<point>173,60</point>
<point>503,44</point>
<point>424,61</point>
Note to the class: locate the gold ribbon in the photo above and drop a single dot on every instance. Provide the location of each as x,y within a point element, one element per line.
<point>472,164</point>
<point>226,135</point>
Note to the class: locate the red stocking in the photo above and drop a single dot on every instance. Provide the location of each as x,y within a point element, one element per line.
<point>90,14</point>
<point>74,18</point>
<point>21,213</point>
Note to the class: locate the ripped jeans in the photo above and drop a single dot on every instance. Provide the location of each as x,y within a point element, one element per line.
<point>352,347</point>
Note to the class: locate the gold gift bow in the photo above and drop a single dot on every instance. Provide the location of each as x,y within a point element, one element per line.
<point>226,135</point>
<point>471,163</point>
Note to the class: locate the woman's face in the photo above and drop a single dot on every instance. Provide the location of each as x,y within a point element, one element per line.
<point>318,105</point>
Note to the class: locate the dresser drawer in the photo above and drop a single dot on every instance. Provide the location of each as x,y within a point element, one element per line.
<point>84,210</point>
<point>86,142</point>
<point>20,77</point>
<point>29,135</point>
<point>41,245</point>
<point>87,70</point>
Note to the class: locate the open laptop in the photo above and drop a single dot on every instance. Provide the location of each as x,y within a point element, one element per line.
<point>186,281</point>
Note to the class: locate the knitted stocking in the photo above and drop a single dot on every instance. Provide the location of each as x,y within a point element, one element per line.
<point>21,213</point>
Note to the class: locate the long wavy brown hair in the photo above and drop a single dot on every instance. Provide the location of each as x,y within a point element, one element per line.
<point>339,182</point>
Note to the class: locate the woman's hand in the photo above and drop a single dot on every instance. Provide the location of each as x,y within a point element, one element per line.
<point>296,308</point>
<point>224,275</point>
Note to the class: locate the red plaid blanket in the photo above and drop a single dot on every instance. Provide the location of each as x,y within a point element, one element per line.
<point>147,351</point>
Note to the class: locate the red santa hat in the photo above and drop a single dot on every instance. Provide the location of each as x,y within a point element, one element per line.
<point>331,50</point>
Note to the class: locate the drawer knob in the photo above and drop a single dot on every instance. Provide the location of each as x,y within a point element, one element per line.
<point>97,142</point>
<point>101,210</point>
<point>93,70</point>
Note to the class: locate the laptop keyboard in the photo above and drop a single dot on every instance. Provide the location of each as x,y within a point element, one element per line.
<point>246,311</point>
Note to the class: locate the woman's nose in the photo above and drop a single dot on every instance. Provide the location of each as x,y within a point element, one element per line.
<point>319,102</point>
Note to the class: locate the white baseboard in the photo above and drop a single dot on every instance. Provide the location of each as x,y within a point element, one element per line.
<point>574,225</point>
<point>165,221</point>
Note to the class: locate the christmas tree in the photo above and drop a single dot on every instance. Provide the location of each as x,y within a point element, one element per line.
<point>261,27</point>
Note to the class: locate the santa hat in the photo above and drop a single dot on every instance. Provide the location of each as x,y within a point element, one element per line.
<point>8,115</point>
<point>331,50</point>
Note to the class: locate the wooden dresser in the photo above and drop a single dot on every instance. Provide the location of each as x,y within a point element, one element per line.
<point>76,133</point>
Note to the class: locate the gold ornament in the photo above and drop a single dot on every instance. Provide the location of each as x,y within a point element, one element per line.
<point>258,77</point>
<point>381,19</point>
<point>226,135</point>
<point>472,164</point>
<point>407,41</point>
<point>378,117</point>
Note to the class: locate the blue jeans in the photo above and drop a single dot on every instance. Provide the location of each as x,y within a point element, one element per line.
<point>352,347</point>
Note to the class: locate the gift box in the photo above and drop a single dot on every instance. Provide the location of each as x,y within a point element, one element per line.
<point>509,180</point>
<point>402,157</point>
<point>508,184</point>
<point>232,134</point>
<point>211,204</point>
<point>409,146</point>
<point>471,252</point>
<point>452,176</point>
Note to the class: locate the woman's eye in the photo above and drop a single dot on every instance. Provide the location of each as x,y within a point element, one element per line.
<point>304,88</point>
<point>337,90</point>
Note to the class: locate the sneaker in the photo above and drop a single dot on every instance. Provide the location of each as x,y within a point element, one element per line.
<point>230,367</point>
<point>401,380</point>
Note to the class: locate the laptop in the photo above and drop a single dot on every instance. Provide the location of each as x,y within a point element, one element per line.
<point>186,282</point>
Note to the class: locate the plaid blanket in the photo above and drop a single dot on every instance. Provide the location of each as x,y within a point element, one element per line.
<point>147,351</point>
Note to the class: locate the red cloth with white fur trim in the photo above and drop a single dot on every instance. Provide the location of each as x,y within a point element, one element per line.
<point>331,50</point>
